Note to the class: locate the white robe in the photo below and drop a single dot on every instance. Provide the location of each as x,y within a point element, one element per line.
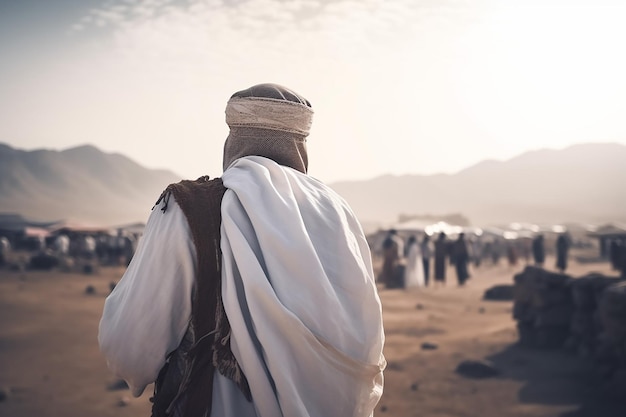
<point>414,267</point>
<point>298,289</point>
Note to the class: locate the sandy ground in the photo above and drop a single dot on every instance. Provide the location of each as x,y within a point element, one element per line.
<point>50,364</point>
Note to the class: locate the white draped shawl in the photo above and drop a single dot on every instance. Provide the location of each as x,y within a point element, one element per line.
<point>299,292</point>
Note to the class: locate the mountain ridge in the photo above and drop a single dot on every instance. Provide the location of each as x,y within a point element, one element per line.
<point>80,183</point>
<point>580,183</point>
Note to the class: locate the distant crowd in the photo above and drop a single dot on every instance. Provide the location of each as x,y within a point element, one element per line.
<point>409,264</point>
<point>47,252</point>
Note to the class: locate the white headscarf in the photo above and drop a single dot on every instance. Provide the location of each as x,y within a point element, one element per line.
<point>268,120</point>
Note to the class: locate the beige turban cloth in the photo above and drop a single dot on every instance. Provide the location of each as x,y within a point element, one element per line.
<point>268,120</point>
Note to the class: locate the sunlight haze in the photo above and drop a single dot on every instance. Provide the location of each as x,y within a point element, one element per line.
<point>398,86</point>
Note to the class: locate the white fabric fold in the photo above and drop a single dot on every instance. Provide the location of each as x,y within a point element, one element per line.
<point>148,312</point>
<point>299,292</point>
<point>269,113</point>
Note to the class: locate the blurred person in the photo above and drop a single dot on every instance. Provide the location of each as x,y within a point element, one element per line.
<point>450,251</point>
<point>511,253</point>
<point>427,253</point>
<point>38,244</point>
<point>128,249</point>
<point>487,250</point>
<point>119,248</point>
<point>88,247</point>
<point>252,294</point>
<point>392,273</point>
<point>441,252</point>
<point>101,248</point>
<point>621,260</point>
<point>5,250</point>
<point>615,253</point>
<point>539,251</point>
<point>496,251</point>
<point>414,267</point>
<point>562,248</point>
<point>525,250</point>
<point>110,245</point>
<point>476,250</point>
<point>62,245</point>
<point>461,259</point>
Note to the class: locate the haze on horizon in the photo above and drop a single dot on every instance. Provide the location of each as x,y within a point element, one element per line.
<point>398,86</point>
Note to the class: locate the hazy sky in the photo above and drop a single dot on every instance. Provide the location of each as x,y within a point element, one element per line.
<point>398,86</point>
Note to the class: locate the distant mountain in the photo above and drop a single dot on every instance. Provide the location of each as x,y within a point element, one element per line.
<point>82,184</point>
<point>583,183</point>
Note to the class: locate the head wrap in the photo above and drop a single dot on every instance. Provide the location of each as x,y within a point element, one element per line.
<point>268,120</point>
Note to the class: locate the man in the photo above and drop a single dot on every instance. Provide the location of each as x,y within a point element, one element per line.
<point>427,253</point>
<point>539,252</point>
<point>562,247</point>
<point>461,259</point>
<point>5,249</point>
<point>475,249</point>
<point>413,268</point>
<point>441,252</point>
<point>252,294</point>
<point>392,274</point>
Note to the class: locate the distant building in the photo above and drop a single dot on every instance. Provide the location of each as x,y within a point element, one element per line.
<point>23,233</point>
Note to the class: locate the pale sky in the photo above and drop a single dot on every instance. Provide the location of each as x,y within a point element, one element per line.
<point>398,86</point>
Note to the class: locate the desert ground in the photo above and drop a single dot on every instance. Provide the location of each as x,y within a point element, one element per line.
<point>50,364</point>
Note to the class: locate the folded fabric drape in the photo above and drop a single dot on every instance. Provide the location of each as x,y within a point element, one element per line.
<point>299,291</point>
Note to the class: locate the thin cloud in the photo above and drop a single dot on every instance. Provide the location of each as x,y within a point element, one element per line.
<point>268,18</point>
<point>428,76</point>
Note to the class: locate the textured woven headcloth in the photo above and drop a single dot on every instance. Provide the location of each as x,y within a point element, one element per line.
<point>271,121</point>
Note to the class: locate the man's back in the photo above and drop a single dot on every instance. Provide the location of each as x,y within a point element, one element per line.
<point>297,284</point>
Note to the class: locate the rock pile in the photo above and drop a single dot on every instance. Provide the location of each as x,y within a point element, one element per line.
<point>543,307</point>
<point>586,329</point>
<point>477,369</point>
<point>499,293</point>
<point>611,354</point>
<point>586,315</point>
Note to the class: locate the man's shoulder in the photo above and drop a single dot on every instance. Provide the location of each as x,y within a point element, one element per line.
<point>203,182</point>
<point>203,187</point>
<point>186,192</point>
